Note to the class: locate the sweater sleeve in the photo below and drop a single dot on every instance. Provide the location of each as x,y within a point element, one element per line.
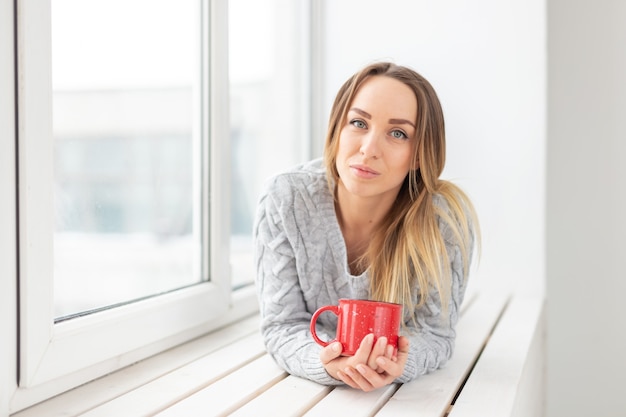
<point>282,282</point>
<point>284,315</point>
<point>432,334</point>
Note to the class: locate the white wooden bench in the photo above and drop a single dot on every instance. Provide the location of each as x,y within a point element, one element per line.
<point>496,370</point>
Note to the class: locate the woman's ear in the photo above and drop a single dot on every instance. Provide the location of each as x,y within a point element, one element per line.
<point>415,164</point>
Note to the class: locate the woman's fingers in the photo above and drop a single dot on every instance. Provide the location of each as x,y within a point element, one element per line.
<point>369,379</point>
<point>345,377</point>
<point>330,356</point>
<point>389,351</point>
<point>357,371</point>
<point>330,352</point>
<point>379,349</point>
<point>359,376</point>
<point>387,365</point>
<point>365,349</point>
<point>403,346</point>
<point>395,366</point>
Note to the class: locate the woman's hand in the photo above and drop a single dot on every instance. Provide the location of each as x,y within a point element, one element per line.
<point>371,367</point>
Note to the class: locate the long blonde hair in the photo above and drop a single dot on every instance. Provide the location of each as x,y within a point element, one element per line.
<point>408,249</point>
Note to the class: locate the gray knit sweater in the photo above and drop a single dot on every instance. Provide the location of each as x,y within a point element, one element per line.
<point>302,265</point>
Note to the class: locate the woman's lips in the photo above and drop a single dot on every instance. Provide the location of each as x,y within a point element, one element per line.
<point>363,171</point>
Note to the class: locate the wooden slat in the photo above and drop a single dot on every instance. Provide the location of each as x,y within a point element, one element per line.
<point>98,392</point>
<point>292,396</point>
<point>431,395</point>
<point>231,392</point>
<point>228,372</point>
<point>492,388</point>
<point>347,401</point>
<point>175,386</point>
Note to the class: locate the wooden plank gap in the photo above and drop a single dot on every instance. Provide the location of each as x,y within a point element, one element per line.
<point>507,380</point>
<point>295,396</point>
<point>389,392</point>
<point>482,349</point>
<point>185,381</point>
<point>344,400</point>
<point>431,394</point>
<point>114,385</point>
<point>230,393</point>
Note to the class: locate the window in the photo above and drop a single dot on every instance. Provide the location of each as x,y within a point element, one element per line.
<point>51,350</point>
<point>270,106</point>
<point>48,350</point>
<point>128,151</point>
<point>135,213</point>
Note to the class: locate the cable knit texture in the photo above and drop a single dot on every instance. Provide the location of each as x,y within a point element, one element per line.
<point>302,265</point>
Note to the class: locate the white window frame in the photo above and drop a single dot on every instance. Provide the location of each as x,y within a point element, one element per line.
<point>56,357</point>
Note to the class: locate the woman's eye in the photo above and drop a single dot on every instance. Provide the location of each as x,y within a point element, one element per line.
<point>359,123</point>
<point>398,134</point>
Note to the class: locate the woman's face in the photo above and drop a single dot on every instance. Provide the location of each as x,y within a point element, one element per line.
<point>377,141</point>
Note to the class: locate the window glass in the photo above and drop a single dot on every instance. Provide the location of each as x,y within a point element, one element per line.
<point>126,78</point>
<point>269,108</point>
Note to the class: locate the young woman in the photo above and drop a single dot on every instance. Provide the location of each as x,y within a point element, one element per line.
<point>371,220</point>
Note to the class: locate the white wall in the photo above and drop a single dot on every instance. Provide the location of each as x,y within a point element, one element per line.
<point>586,196</point>
<point>486,59</point>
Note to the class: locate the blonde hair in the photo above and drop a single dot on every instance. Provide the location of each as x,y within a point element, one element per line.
<point>408,249</point>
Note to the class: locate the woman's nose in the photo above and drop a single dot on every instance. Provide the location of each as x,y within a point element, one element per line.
<point>370,146</point>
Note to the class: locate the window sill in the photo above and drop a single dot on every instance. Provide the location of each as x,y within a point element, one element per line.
<point>234,324</point>
<point>497,370</point>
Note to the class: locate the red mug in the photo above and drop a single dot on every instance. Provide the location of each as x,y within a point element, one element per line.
<point>358,318</point>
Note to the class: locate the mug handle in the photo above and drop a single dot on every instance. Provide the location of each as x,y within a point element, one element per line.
<point>332,309</point>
